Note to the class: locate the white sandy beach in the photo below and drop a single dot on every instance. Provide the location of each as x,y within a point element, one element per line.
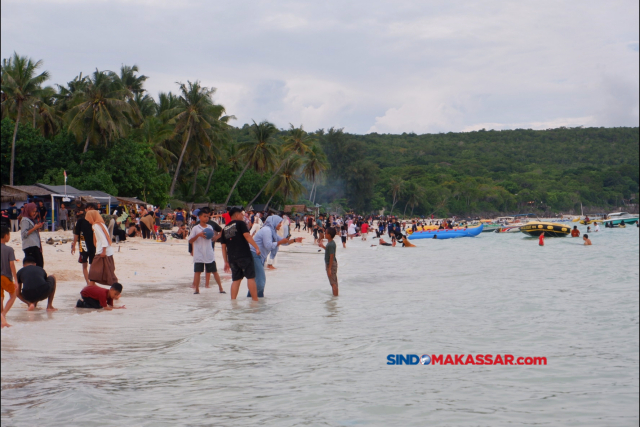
<point>139,264</point>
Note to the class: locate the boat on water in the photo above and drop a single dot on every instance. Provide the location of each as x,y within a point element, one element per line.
<point>490,228</point>
<point>618,218</point>
<point>447,234</point>
<point>549,229</point>
<point>509,229</point>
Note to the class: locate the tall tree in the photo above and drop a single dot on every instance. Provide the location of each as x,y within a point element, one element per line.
<point>315,164</point>
<point>416,196</point>
<point>101,112</point>
<point>397,186</point>
<point>20,83</point>
<point>46,116</point>
<point>156,135</point>
<point>196,118</point>
<point>296,143</point>
<point>286,181</point>
<point>259,152</point>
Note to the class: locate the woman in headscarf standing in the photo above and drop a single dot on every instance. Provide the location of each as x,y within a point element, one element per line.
<point>103,268</point>
<point>30,233</point>
<point>268,241</point>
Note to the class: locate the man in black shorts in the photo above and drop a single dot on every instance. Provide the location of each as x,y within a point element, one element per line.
<point>83,236</point>
<point>238,260</point>
<point>35,285</point>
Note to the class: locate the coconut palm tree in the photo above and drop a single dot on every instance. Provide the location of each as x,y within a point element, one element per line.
<point>166,101</point>
<point>101,113</point>
<point>286,181</point>
<point>297,142</point>
<point>196,118</point>
<point>145,104</point>
<point>397,186</point>
<point>46,116</point>
<point>66,94</point>
<point>416,196</point>
<point>156,135</point>
<point>20,84</point>
<point>130,80</point>
<point>315,164</point>
<point>259,152</point>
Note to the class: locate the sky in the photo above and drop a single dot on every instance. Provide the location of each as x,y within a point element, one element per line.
<point>362,65</point>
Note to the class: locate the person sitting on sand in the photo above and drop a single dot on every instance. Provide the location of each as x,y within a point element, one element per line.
<point>161,236</point>
<point>35,285</point>
<point>182,232</point>
<point>97,297</point>
<point>132,230</point>
<point>587,241</point>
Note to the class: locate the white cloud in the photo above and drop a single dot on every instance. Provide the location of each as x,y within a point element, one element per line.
<point>385,66</point>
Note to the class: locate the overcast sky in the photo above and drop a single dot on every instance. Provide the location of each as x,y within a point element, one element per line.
<point>365,65</point>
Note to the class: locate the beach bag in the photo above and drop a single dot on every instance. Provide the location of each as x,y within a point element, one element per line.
<point>102,270</point>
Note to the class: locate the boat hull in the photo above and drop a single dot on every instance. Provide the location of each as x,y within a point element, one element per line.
<point>621,221</point>
<point>509,229</point>
<point>446,234</point>
<point>490,228</point>
<point>549,229</point>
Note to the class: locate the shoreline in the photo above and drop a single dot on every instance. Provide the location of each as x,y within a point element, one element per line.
<point>142,266</point>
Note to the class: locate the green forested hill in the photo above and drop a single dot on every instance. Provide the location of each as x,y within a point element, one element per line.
<point>485,171</point>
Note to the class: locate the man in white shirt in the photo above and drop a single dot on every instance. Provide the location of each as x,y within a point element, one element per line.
<point>203,255</point>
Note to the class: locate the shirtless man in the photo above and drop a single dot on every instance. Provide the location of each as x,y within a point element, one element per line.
<point>587,241</point>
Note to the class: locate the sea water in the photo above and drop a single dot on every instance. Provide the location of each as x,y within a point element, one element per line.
<point>303,357</point>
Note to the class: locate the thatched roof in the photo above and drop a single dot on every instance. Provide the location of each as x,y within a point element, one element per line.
<point>130,201</point>
<point>298,208</point>
<point>20,193</point>
<point>31,190</point>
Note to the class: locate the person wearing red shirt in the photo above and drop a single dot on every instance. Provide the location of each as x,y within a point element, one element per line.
<point>364,229</point>
<point>94,296</point>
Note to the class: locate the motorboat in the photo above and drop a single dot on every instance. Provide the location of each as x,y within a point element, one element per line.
<point>618,218</point>
<point>514,228</point>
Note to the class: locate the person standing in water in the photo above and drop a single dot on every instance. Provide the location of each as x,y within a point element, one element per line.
<point>587,241</point>
<point>330,260</point>
<point>238,259</point>
<point>575,232</point>
<point>202,251</point>
<point>268,241</point>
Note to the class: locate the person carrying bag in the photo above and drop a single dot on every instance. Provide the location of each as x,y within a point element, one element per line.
<point>103,267</point>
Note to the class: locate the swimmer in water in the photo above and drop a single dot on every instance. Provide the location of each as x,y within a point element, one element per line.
<point>587,241</point>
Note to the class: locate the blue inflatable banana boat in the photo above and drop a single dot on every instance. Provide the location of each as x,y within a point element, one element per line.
<point>447,234</point>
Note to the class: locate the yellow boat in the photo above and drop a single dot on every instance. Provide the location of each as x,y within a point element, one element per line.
<point>549,229</point>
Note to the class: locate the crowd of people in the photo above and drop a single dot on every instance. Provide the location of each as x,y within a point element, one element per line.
<point>249,242</point>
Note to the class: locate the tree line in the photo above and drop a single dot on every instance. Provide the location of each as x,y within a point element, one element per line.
<point>111,135</point>
<point>108,133</point>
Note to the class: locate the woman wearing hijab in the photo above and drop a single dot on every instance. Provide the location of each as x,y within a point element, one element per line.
<point>268,241</point>
<point>30,233</point>
<point>103,268</point>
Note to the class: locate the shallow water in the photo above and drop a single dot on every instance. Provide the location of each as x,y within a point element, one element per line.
<point>302,357</point>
